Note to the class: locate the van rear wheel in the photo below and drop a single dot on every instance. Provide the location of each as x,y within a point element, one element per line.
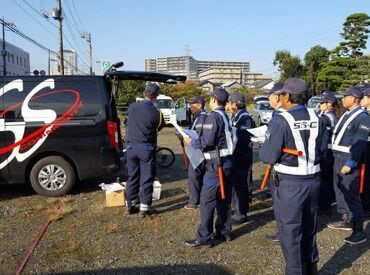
<point>52,176</point>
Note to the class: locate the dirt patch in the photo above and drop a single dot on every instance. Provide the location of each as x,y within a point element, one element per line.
<point>86,236</point>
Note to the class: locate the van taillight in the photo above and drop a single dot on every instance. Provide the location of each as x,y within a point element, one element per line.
<point>113,134</point>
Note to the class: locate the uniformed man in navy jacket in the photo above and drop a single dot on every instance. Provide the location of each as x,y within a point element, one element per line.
<point>216,134</point>
<point>144,121</point>
<point>327,196</point>
<point>195,176</point>
<point>241,178</point>
<point>349,146</point>
<point>365,103</point>
<point>298,177</point>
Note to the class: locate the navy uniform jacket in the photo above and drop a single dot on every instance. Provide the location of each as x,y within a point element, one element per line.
<point>213,133</point>
<point>280,136</point>
<point>355,136</point>
<point>198,122</point>
<point>144,121</point>
<point>242,156</point>
<point>329,119</point>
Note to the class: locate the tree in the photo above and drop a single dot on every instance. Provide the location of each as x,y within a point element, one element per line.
<point>128,90</point>
<point>289,66</point>
<point>355,30</point>
<point>358,72</point>
<point>314,59</point>
<point>187,90</point>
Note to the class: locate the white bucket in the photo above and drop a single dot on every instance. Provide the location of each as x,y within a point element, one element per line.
<point>157,187</point>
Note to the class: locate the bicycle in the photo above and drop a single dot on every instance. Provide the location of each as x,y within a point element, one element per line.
<point>165,157</point>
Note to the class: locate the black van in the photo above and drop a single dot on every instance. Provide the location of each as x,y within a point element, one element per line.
<point>55,130</point>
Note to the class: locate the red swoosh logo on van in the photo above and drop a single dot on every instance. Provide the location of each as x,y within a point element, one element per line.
<point>61,120</point>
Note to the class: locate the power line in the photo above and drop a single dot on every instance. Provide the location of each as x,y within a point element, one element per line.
<point>73,18</point>
<point>78,17</point>
<point>41,14</point>
<point>21,34</point>
<point>64,36</point>
<point>15,2</point>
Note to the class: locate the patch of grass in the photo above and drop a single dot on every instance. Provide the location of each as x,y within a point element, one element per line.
<point>68,247</point>
<point>60,213</point>
<point>111,228</point>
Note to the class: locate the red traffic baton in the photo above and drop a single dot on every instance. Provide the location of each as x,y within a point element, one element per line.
<point>220,173</point>
<point>269,167</point>
<point>185,157</point>
<point>362,179</point>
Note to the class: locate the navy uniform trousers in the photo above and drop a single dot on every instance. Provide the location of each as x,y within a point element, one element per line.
<point>241,182</point>
<point>327,195</point>
<point>195,182</point>
<point>366,192</point>
<point>295,207</point>
<point>141,173</point>
<point>346,191</point>
<point>210,201</point>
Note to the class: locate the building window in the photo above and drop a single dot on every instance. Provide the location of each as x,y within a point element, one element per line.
<point>17,60</point>
<point>8,57</point>
<point>13,58</point>
<point>20,59</point>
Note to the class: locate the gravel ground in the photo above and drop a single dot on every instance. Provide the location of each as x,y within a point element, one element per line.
<point>87,237</point>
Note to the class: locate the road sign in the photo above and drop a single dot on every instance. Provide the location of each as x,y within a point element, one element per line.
<point>105,65</point>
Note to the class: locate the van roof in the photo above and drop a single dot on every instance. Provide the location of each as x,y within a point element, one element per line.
<point>145,75</point>
<point>120,75</point>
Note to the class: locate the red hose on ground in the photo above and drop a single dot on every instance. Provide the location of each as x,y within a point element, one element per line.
<point>33,246</point>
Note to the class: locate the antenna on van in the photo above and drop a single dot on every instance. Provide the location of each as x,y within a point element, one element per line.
<point>115,66</point>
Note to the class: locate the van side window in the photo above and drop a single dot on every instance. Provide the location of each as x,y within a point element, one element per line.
<point>62,98</point>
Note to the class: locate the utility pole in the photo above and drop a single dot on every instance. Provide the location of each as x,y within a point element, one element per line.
<point>87,36</point>
<point>4,51</point>
<point>57,15</point>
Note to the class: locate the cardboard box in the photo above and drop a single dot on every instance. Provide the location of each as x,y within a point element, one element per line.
<point>115,198</point>
<point>114,194</point>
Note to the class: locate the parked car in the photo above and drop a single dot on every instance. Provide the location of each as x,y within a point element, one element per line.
<point>260,97</point>
<point>56,130</point>
<point>262,113</point>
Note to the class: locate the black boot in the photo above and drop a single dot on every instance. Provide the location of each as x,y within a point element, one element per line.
<point>312,268</point>
<point>358,234</point>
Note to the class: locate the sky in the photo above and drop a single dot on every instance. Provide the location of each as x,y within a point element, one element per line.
<point>132,31</point>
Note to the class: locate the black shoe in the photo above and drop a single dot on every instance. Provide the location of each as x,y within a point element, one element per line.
<point>358,235</point>
<point>197,244</point>
<point>273,238</point>
<point>222,238</point>
<point>237,222</point>
<point>132,210</point>
<point>341,225</point>
<point>150,212</point>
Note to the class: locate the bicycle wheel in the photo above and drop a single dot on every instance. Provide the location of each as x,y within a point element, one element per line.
<point>165,157</point>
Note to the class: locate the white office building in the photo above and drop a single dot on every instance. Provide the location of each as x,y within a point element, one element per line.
<point>70,64</point>
<point>17,61</point>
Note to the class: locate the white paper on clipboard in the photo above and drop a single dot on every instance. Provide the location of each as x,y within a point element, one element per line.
<point>195,156</point>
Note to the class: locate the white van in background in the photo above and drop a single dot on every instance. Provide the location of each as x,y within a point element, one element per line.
<point>168,107</point>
